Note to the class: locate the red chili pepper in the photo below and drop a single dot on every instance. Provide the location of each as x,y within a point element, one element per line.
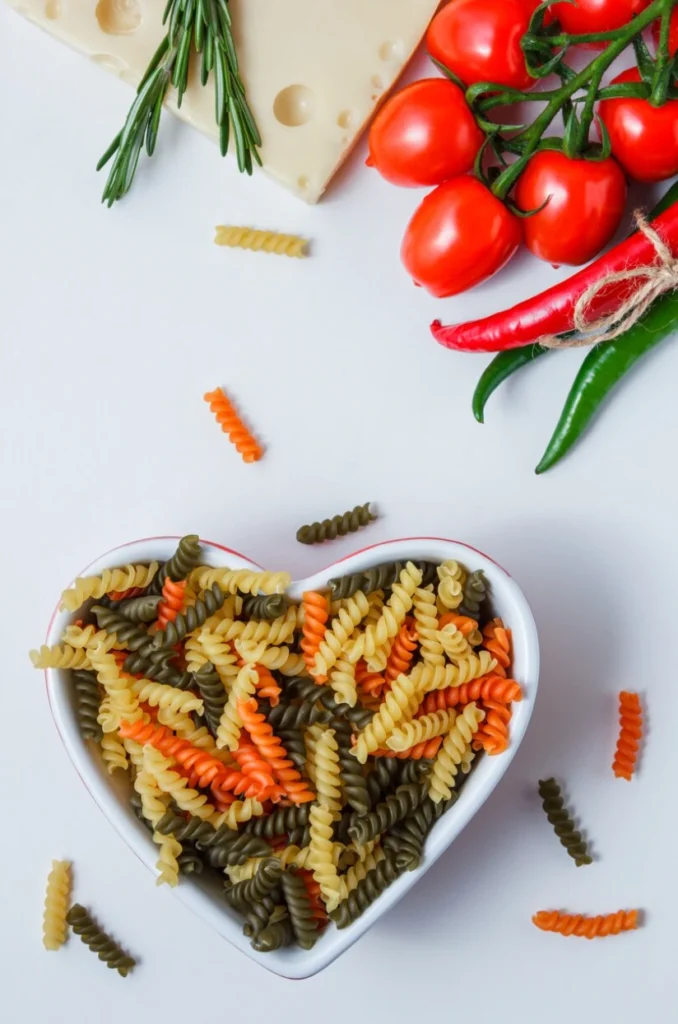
<point>551,312</point>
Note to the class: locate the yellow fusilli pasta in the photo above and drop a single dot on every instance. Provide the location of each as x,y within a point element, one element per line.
<point>451,578</point>
<point>426,616</point>
<point>218,651</point>
<point>261,654</point>
<point>398,706</point>
<point>123,702</point>
<point>391,618</point>
<point>439,677</point>
<point>418,730</point>
<point>113,753</point>
<point>230,723</point>
<point>322,854</point>
<point>327,777</point>
<point>260,241</point>
<point>85,587</point>
<point>238,813</point>
<point>164,696</point>
<point>342,681</point>
<point>244,580</point>
<point>357,872</point>
<point>60,656</point>
<point>455,752</point>
<point>339,633</point>
<point>175,785</point>
<point>90,636</point>
<point>454,643</point>
<point>57,898</point>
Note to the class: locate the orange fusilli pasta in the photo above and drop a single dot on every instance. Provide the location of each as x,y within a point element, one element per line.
<point>586,927</point>
<point>316,613</point>
<point>630,733</point>
<point>231,424</point>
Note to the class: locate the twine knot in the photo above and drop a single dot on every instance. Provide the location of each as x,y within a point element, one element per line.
<point>654,279</point>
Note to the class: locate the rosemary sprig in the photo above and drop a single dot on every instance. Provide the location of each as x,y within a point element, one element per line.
<point>204,25</point>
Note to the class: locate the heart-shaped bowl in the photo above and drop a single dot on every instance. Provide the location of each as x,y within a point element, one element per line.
<point>203,895</point>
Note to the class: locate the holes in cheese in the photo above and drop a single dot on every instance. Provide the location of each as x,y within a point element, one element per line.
<point>118,17</point>
<point>294,105</point>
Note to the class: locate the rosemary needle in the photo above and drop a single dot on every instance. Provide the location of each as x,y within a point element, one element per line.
<point>203,27</point>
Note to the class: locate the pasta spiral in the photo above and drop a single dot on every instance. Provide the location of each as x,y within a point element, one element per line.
<point>436,677</point>
<point>359,871</point>
<point>343,682</point>
<point>586,927</point>
<point>280,822</point>
<point>453,642</point>
<point>327,775</point>
<point>60,656</point>
<point>245,581</point>
<point>365,893</point>
<point>455,751</point>
<point>172,601</point>
<point>186,622</point>
<point>252,890</point>
<point>89,636</point>
<point>491,687</point>
<point>261,654</point>
<point>451,578</point>
<point>475,592</point>
<point>493,734</point>
<point>113,754</point>
<point>168,860</point>
<point>379,577</point>
<point>231,423</point>
<point>389,812</point>
<point>272,750</point>
<point>57,898</point>
<point>321,854</point>
<point>140,609</point>
<point>339,633</point>
<point>427,626</point>
<point>182,562</point>
<point>630,733</point>
<point>354,785</point>
<point>222,845</point>
<point>402,651</point>
<point>392,616</point>
<point>160,695</point>
<point>399,705</point>
<point>266,607</point>
<point>337,526</point>
<point>123,703</point>
<point>467,626</point>
<point>406,840</point>
<point>86,587</point>
<point>260,241</point>
<point>175,785</point>
<point>219,655</point>
<point>304,924</point>
<point>88,698</point>
<point>213,693</point>
<point>230,723</point>
<point>562,822</point>
<point>497,640</point>
<point>420,730</point>
<point>316,614</point>
<point>98,941</point>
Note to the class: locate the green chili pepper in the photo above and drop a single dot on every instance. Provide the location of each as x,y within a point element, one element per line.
<point>507,363</point>
<point>502,366</point>
<point>602,369</point>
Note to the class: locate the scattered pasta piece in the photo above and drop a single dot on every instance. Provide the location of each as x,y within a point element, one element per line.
<point>57,898</point>
<point>231,424</point>
<point>260,241</point>
<point>586,927</point>
<point>563,824</point>
<point>630,733</point>
<point>337,526</point>
<point>98,941</point>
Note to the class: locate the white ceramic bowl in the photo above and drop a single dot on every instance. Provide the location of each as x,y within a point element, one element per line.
<point>203,896</point>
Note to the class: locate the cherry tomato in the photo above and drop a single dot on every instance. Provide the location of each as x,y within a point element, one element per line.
<point>424,134</point>
<point>644,138</point>
<point>479,40</point>
<point>585,207</point>
<point>673,32</point>
<point>596,16</point>
<point>460,235</point>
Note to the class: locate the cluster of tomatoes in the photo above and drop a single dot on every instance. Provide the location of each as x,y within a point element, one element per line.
<point>426,135</point>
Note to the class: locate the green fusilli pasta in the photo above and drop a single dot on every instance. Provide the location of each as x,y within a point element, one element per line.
<point>182,562</point>
<point>213,693</point>
<point>475,593</point>
<point>304,926</point>
<point>253,890</point>
<point>337,526</point>
<point>139,609</point>
<point>88,698</point>
<point>98,941</point>
<point>380,577</point>
<point>562,822</point>
<point>265,606</point>
<point>394,808</point>
<point>366,892</point>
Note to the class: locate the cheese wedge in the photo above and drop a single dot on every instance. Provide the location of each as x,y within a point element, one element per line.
<point>314,69</point>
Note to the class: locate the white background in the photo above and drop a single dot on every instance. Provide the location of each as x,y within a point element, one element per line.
<point>113,324</point>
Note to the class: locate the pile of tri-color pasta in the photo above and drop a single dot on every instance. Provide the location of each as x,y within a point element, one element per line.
<point>303,752</point>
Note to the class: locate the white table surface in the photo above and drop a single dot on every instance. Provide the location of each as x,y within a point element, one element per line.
<point>114,323</point>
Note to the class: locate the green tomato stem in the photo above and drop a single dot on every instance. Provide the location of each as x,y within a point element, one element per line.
<point>618,41</point>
